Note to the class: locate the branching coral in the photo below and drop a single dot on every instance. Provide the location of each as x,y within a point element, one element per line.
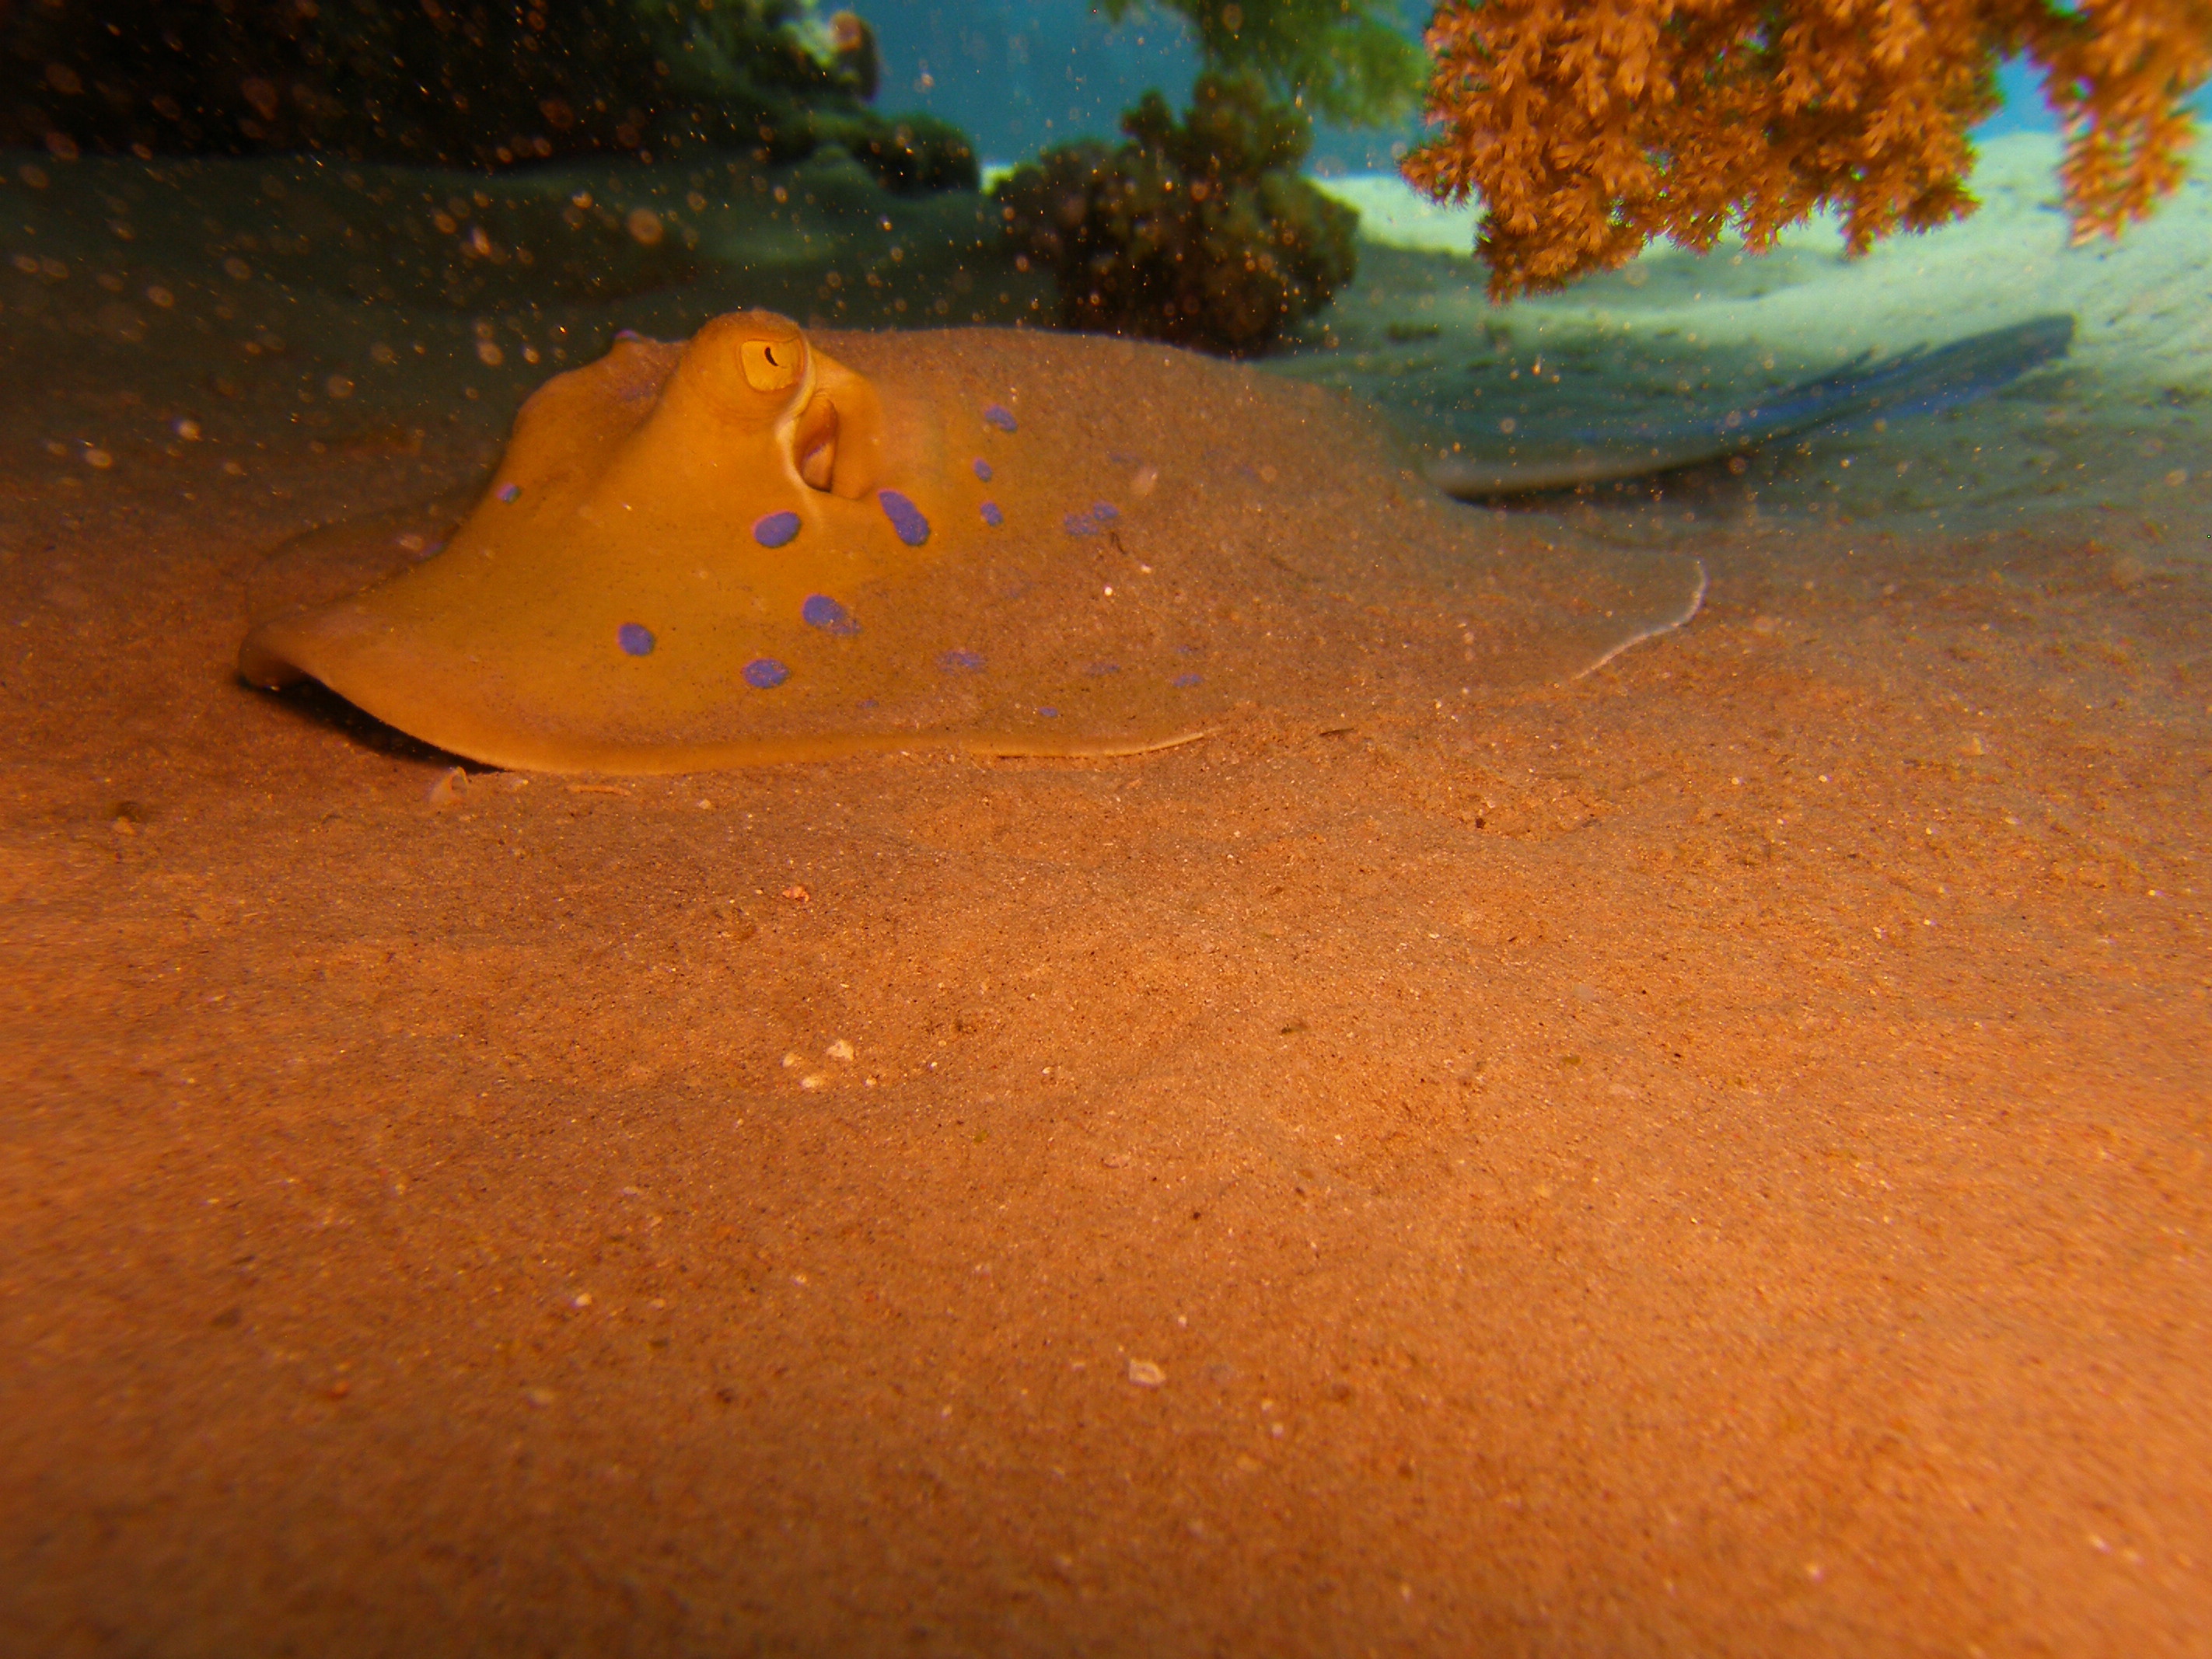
<point>1588,129</point>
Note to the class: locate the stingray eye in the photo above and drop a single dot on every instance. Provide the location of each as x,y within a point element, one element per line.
<point>771,366</point>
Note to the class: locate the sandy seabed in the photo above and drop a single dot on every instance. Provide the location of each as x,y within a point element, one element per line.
<point>1708,1158</point>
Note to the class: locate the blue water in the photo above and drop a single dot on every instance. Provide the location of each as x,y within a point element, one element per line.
<point>1017,74</point>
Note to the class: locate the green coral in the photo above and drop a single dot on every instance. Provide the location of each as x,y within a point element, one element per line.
<point>1202,233</point>
<point>1345,60</point>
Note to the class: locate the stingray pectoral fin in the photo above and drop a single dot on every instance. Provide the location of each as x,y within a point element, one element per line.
<point>355,653</point>
<point>368,664</point>
<point>336,560</point>
<point>389,674</point>
<point>262,662</point>
<point>1035,747</point>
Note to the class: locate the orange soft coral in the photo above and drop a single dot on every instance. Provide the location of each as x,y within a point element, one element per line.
<point>1590,127</point>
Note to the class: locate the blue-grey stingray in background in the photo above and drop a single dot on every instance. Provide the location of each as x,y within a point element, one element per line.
<point>1473,448</point>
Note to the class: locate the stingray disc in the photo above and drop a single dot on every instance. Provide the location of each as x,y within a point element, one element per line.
<point>740,548</point>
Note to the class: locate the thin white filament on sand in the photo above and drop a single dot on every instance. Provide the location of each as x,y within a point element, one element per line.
<point>1697,602</point>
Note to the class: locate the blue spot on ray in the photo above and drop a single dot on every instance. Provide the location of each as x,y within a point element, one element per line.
<point>1184,680</point>
<point>822,611</point>
<point>635,639</point>
<point>906,517</point>
<point>775,529</point>
<point>982,470</point>
<point>765,673</point>
<point>509,492</point>
<point>1000,416</point>
<point>992,516</point>
<point>955,662</point>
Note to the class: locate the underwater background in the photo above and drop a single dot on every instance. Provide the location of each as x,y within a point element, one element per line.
<point>1665,1114</point>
